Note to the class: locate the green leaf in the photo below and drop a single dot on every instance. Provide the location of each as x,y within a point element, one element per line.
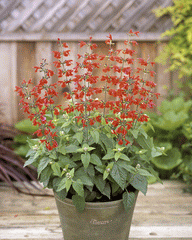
<point>21,138</point>
<point>107,190</point>
<point>43,164</point>
<point>95,136</point>
<point>45,175</point>
<point>62,149</point>
<point>117,155</point>
<point>100,183</point>
<point>140,183</point>
<point>71,148</point>
<point>135,133</point>
<point>155,174</point>
<point>144,172</point>
<point>66,160</point>
<point>68,184</point>
<point>95,160</point>
<point>91,170</point>
<point>78,187</point>
<point>22,150</point>
<point>119,174</point>
<point>145,143</point>
<point>85,158</point>
<point>56,169</point>
<point>26,126</point>
<point>79,136</point>
<point>62,194</point>
<point>31,152</point>
<point>83,176</point>
<point>155,152</point>
<point>170,161</point>
<point>126,166</point>
<point>33,158</point>
<point>61,185</point>
<point>124,157</point>
<point>108,142</point>
<point>110,154</point>
<point>128,200</point>
<point>105,175</point>
<point>79,203</point>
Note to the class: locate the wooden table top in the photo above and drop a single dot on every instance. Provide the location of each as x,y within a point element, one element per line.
<point>165,213</point>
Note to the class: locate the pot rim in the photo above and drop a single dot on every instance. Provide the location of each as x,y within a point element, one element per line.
<point>93,205</point>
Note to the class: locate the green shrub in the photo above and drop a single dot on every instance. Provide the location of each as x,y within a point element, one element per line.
<point>173,132</point>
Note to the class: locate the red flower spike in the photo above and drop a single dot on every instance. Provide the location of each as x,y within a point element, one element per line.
<point>120,82</point>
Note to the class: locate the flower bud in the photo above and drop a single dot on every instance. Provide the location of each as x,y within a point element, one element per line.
<point>138,166</point>
<point>108,170</point>
<point>61,133</point>
<point>35,147</point>
<point>68,175</point>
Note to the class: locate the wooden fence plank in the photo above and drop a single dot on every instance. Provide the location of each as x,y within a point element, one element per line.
<point>25,64</point>
<point>163,78</point>
<point>19,58</point>
<point>8,73</point>
<point>43,50</point>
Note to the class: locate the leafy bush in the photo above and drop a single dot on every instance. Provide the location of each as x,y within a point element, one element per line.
<point>173,131</point>
<point>178,51</point>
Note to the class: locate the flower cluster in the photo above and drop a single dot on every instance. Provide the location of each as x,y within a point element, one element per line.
<point>91,104</point>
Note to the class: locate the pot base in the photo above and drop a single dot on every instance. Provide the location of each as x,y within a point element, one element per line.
<point>99,221</point>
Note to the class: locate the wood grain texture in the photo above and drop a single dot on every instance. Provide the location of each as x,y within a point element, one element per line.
<point>165,213</point>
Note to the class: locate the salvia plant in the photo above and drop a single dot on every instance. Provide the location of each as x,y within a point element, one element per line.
<point>93,148</point>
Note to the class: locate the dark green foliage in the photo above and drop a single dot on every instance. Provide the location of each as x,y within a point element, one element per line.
<point>95,170</point>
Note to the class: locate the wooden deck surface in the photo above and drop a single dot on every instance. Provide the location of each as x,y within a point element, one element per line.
<point>165,213</point>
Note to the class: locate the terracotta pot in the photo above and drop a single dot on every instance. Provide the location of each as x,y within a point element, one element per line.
<point>99,221</point>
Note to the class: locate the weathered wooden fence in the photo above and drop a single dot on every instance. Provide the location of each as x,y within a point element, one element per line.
<point>17,59</point>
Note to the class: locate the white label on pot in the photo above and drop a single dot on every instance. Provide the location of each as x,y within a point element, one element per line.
<point>94,221</point>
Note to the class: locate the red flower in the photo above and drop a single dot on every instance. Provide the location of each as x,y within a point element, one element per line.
<point>56,112</point>
<point>134,43</point>
<point>66,53</point>
<point>36,68</point>
<point>152,73</point>
<point>57,64</point>
<point>82,44</point>
<point>120,142</point>
<point>65,45</point>
<point>136,33</point>
<point>60,73</point>
<point>50,73</point>
<point>57,54</point>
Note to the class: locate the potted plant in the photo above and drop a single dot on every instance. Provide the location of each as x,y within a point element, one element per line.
<point>93,152</point>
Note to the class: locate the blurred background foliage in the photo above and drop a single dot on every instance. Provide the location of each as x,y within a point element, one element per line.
<point>178,51</point>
